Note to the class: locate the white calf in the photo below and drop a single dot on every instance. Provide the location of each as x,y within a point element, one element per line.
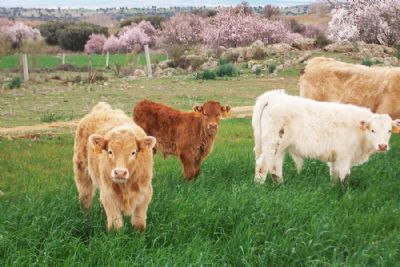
<point>342,135</point>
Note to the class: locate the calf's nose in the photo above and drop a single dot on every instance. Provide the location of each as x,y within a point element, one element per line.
<point>382,147</point>
<point>212,126</point>
<point>120,173</point>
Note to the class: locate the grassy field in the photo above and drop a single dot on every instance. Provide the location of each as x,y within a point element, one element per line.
<point>221,219</point>
<point>78,60</point>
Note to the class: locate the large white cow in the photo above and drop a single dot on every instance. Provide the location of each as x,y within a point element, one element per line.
<point>343,135</point>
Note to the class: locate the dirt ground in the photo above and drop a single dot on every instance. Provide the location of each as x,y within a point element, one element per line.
<point>55,128</point>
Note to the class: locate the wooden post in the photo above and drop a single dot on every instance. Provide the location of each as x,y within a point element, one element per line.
<point>25,67</point>
<point>63,59</point>
<point>107,59</point>
<point>146,51</point>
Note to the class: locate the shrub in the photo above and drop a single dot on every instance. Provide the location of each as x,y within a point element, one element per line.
<point>258,71</point>
<point>367,62</point>
<point>75,35</point>
<point>112,45</point>
<point>321,41</point>
<point>272,67</point>
<point>51,29</point>
<point>175,52</point>
<point>14,83</point>
<point>206,75</point>
<point>226,70</point>
<point>223,61</point>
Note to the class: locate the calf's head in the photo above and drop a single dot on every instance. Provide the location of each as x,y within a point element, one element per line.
<point>211,112</point>
<point>378,129</point>
<point>122,151</point>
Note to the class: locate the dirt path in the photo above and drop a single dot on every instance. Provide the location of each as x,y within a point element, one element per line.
<point>55,128</point>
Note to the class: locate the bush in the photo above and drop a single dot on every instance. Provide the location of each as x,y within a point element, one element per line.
<point>367,62</point>
<point>19,33</point>
<point>51,29</point>
<point>15,83</point>
<point>272,67</point>
<point>258,71</point>
<point>226,70</point>
<point>95,43</point>
<point>321,41</point>
<point>175,52</point>
<point>70,35</point>
<point>223,61</point>
<point>206,75</point>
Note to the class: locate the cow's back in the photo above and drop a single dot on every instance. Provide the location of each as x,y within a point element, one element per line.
<point>329,80</point>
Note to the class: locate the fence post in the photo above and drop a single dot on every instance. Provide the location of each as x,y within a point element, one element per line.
<point>146,51</point>
<point>25,67</point>
<point>107,59</point>
<point>63,59</point>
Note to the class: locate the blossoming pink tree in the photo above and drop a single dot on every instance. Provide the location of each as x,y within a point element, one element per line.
<point>238,27</point>
<point>184,29</point>
<point>18,33</point>
<point>372,21</point>
<point>95,43</point>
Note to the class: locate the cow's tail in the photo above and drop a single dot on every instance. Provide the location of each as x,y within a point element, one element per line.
<point>261,105</point>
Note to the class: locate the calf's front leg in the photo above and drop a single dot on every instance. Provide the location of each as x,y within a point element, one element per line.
<point>139,216</point>
<point>114,217</point>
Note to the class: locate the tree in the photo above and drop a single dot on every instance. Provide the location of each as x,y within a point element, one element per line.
<point>237,27</point>
<point>18,33</point>
<point>270,11</point>
<point>372,21</point>
<point>95,43</point>
<point>183,28</point>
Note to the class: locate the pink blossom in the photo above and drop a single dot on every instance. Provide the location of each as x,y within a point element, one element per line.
<point>183,28</point>
<point>18,33</point>
<point>112,45</point>
<point>95,43</point>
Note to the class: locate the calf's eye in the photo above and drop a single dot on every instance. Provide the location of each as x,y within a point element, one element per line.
<point>109,152</point>
<point>390,131</point>
<point>133,153</point>
<point>372,131</point>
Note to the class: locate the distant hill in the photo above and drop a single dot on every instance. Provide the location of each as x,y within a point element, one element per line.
<point>116,14</point>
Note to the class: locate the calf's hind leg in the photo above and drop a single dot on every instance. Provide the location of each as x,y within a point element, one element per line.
<point>191,168</point>
<point>83,182</point>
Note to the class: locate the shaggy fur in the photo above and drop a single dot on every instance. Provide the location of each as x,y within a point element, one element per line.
<point>115,155</point>
<point>342,135</point>
<point>187,135</point>
<point>377,88</point>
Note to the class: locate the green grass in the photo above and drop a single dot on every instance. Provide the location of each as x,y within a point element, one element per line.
<point>221,219</point>
<point>78,60</point>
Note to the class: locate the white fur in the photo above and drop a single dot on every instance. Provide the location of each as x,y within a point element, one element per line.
<point>330,132</point>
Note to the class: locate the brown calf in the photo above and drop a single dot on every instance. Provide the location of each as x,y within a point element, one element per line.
<point>113,154</point>
<point>187,135</point>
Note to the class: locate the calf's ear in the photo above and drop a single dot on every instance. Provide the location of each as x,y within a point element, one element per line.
<point>225,110</point>
<point>364,125</point>
<point>198,109</point>
<point>98,142</point>
<point>148,142</point>
<point>396,126</point>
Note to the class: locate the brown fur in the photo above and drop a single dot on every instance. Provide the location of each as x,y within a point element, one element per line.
<point>183,134</point>
<point>377,88</point>
<point>107,139</point>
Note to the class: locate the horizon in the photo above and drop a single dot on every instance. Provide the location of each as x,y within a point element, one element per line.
<point>96,4</point>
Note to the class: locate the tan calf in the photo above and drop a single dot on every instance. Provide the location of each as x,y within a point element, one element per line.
<point>114,154</point>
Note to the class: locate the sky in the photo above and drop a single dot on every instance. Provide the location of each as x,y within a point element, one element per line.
<point>139,3</point>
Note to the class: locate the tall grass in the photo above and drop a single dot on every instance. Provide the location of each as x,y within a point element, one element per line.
<point>223,218</point>
<point>78,60</point>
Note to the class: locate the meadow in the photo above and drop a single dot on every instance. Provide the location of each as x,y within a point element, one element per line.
<point>223,218</point>
<point>78,60</point>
